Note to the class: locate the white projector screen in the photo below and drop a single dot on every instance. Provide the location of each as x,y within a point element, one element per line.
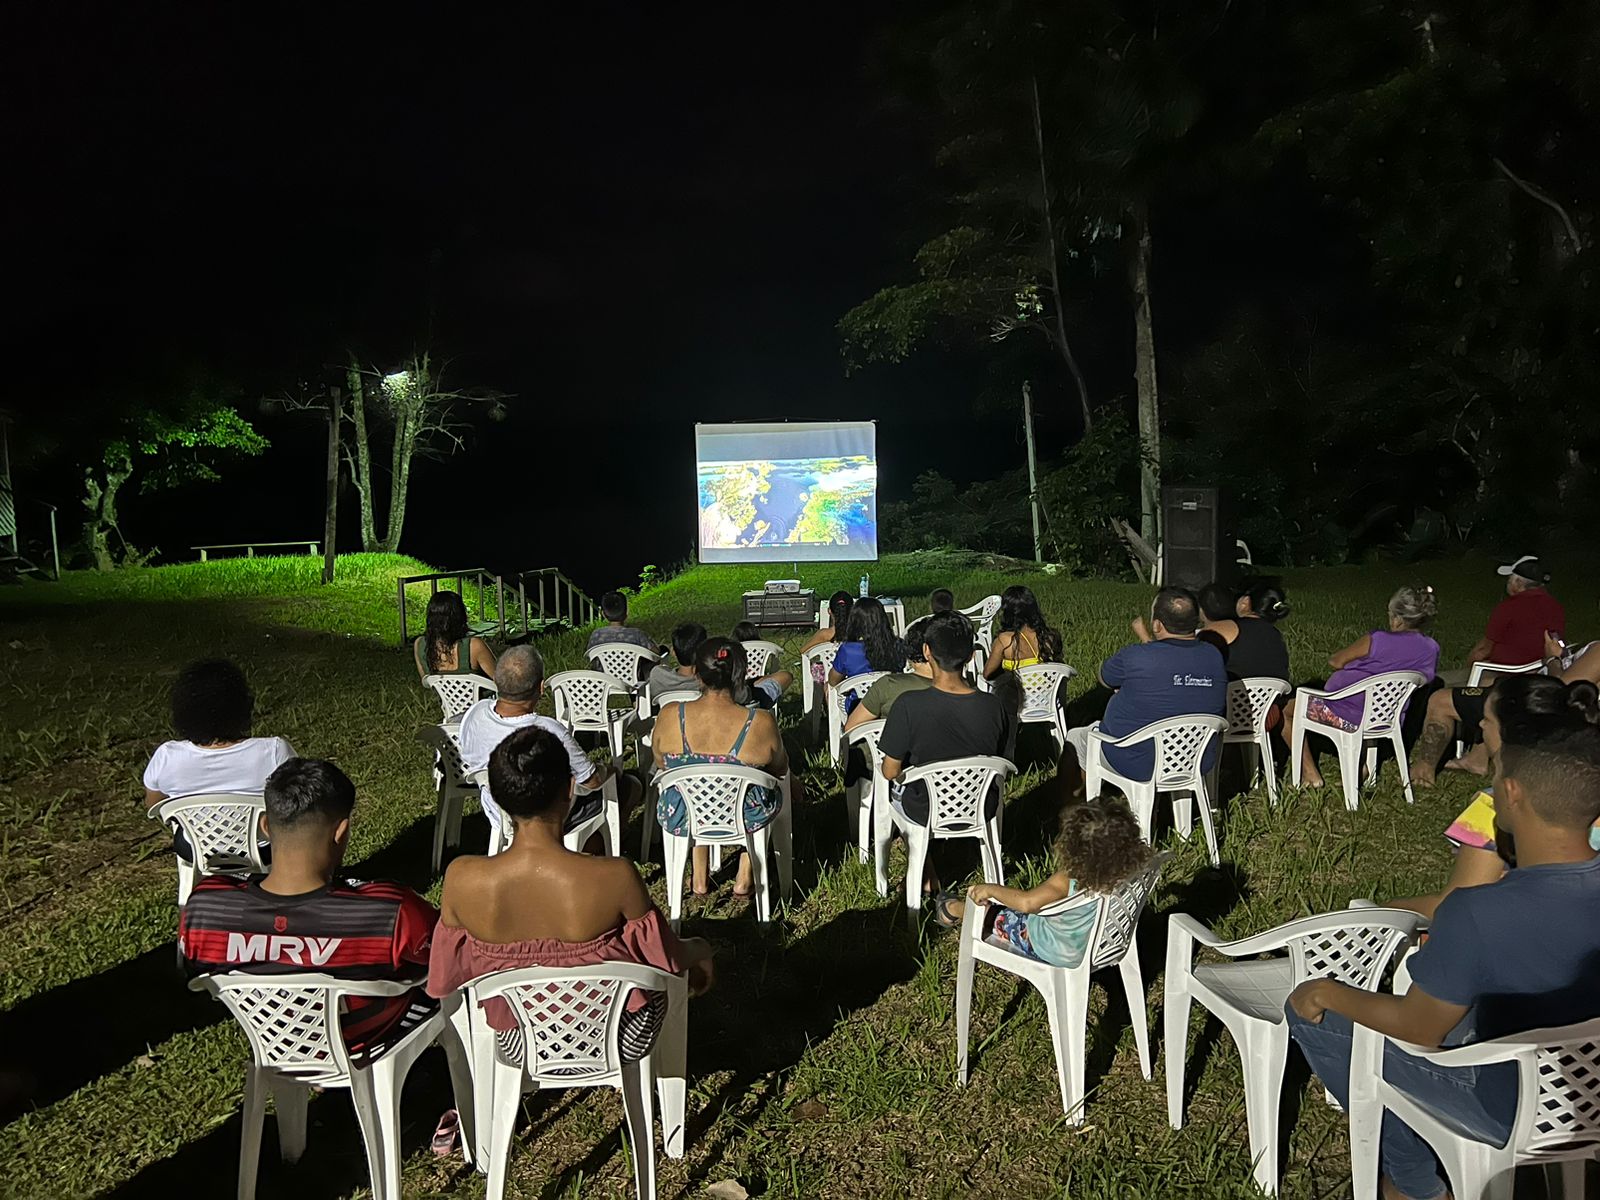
<point>796,491</point>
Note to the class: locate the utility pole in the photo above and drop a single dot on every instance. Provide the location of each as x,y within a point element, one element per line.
<point>1033,470</point>
<point>330,524</point>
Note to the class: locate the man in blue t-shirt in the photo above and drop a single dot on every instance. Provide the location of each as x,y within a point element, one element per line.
<point>1519,954</point>
<point>1168,673</point>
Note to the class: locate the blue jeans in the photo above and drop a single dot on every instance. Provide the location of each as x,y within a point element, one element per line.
<point>1480,1102</point>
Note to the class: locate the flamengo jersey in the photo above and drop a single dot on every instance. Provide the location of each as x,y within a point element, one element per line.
<point>348,929</point>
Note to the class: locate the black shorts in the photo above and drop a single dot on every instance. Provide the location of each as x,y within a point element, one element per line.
<point>585,806</point>
<point>1468,702</point>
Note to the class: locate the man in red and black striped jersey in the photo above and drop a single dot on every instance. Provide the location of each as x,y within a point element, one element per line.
<point>299,918</point>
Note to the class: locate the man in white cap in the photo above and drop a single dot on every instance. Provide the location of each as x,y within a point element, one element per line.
<point>1514,636</point>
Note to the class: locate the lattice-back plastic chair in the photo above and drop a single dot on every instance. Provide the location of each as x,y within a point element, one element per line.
<point>1386,696</point>
<point>713,795</point>
<point>958,791</point>
<point>607,822</point>
<point>1066,989</point>
<point>569,1020</point>
<point>457,693</point>
<point>1042,699</point>
<point>629,665</point>
<point>647,821</point>
<point>1250,704</point>
<point>297,1044</point>
<point>982,615</point>
<point>223,832</point>
<point>582,704</point>
<point>1480,669</point>
<point>761,658</point>
<point>452,786</point>
<point>867,800</point>
<point>821,653</point>
<point>1179,745</point>
<point>857,686</point>
<point>1557,1120</point>
<point>1353,946</point>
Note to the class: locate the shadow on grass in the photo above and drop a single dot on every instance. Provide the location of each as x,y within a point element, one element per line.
<point>60,1039</point>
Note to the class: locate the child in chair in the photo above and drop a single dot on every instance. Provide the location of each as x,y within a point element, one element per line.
<point>1099,850</point>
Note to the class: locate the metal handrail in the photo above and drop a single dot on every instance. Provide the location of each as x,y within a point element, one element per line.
<point>477,574</point>
<point>577,602</point>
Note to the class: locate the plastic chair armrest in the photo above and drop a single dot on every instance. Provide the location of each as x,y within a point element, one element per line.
<point>1193,929</point>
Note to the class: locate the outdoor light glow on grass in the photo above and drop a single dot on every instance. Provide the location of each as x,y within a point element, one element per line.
<point>822,1064</point>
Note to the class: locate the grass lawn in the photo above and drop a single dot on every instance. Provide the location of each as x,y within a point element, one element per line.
<point>823,1063</point>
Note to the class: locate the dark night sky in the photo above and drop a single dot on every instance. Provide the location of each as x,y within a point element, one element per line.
<point>632,220</point>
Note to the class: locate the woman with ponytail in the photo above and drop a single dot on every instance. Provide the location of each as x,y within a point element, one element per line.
<point>718,729</point>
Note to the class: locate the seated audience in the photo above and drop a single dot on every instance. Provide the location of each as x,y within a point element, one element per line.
<point>1218,607</point>
<point>1527,702</point>
<point>213,754</point>
<point>1168,672</point>
<point>1516,628</point>
<point>687,639</point>
<point>950,719</point>
<point>940,600</point>
<point>614,608</point>
<point>1256,650</point>
<point>299,917</point>
<point>519,678</point>
<point>718,728</point>
<point>1098,850</point>
<point>1501,958</point>
<point>1401,647</point>
<point>1025,637</point>
<point>879,699</point>
<point>447,645</point>
<point>839,606</point>
<point>869,644</point>
<point>745,631</point>
<point>541,905</point>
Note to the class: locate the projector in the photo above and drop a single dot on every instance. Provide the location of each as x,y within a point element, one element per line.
<point>783,587</point>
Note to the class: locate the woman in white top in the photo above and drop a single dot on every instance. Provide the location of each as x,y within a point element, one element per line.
<point>213,754</point>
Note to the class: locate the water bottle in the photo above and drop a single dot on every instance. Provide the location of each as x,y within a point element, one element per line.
<point>866,586</point>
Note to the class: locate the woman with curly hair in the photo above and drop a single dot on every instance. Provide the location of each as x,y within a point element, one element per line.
<point>1098,849</point>
<point>213,754</point>
<point>1025,637</point>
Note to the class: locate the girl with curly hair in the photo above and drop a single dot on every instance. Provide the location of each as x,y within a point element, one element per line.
<point>1025,637</point>
<point>1098,849</point>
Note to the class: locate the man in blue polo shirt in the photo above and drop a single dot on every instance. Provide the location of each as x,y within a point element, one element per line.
<point>1169,672</point>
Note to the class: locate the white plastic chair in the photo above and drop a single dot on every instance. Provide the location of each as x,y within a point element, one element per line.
<point>457,693</point>
<point>223,832</point>
<point>452,784</point>
<point>857,686</point>
<point>1066,989</point>
<point>1179,745</point>
<point>581,704</point>
<point>1557,1119</point>
<point>1353,946</point>
<point>867,799</point>
<point>1480,669</point>
<point>761,658</point>
<point>958,790</point>
<point>297,1044</point>
<point>713,795</point>
<point>822,653</point>
<point>607,822</point>
<point>569,1019</point>
<point>1250,703</point>
<point>975,666</point>
<point>982,615</point>
<point>1386,697</point>
<point>629,665</point>
<point>647,825</point>
<point>1042,701</point>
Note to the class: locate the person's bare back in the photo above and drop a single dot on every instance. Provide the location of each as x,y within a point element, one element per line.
<point>542,893</point>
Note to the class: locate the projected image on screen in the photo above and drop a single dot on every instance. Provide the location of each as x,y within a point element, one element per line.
<point>787,492</point>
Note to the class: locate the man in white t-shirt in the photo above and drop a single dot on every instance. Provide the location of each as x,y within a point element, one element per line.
<point>519,677</point>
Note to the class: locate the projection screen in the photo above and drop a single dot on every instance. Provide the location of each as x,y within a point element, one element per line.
<point>791,492</point>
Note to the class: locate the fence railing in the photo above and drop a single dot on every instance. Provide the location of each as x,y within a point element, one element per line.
<point>541,597</point>
<point>547,597</point>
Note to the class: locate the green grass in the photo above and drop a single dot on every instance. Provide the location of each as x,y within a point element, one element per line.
<point>822,1064</point>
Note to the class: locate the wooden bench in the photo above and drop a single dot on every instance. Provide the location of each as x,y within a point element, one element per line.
<point>250,548</point>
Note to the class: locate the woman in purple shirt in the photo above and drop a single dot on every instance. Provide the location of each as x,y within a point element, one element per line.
<point>1402,647</point>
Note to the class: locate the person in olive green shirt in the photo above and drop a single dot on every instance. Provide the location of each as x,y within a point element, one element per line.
<point>880,697</point>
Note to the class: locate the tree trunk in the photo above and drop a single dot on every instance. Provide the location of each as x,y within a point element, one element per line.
<point>330,520</point>
<point>363,463</point>
<point>100,499</point>
<point>1144,374</point>
<point>405,438</point>
<point>1063,346</point>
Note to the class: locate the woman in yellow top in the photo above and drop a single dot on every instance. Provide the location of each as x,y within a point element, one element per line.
<point>1482,852</point>
<point>1025,637</point>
